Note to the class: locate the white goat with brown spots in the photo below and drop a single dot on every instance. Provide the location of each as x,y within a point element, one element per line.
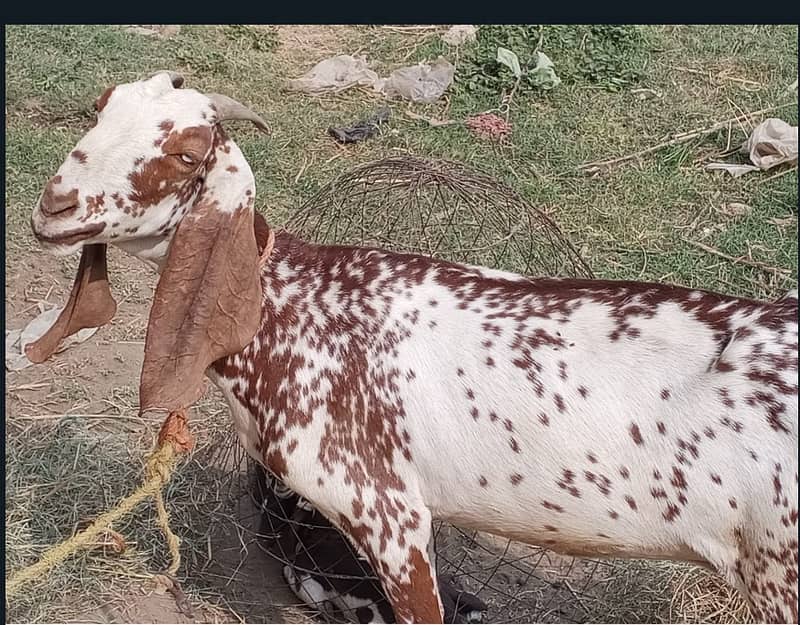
<point>592,417</point>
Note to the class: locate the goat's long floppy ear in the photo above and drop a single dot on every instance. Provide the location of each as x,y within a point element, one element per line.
<point>90,304</point>
<point>207,304</point>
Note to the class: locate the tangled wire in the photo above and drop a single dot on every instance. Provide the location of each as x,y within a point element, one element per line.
<point>438,208</point>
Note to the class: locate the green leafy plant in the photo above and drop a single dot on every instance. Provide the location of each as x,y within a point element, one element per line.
<point>611,56</point>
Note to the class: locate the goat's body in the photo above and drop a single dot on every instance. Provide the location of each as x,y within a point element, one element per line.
<point>595,418</point>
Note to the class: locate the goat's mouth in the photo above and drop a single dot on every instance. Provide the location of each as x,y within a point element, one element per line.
<point>70,237</point>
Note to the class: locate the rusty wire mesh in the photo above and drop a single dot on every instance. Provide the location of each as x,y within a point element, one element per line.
<point>517,583</point>
<point>437,208</point>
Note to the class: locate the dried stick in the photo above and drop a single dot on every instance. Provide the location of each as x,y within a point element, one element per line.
<point>779,271</point>
<point>679,138</point>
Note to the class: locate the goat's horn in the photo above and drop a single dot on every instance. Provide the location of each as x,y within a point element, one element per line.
<point>175,77</point>
<point>228,108</point>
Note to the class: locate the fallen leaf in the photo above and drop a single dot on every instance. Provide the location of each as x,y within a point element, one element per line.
<point>735,209</point>
<point>114,541</point>
<point>161,584</point>
<point>782,222</point>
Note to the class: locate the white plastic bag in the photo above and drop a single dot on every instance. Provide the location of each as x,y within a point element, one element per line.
<point>16,340</point>
<point>333,75</point>
<point>421,82</point>
<point>773,142</point>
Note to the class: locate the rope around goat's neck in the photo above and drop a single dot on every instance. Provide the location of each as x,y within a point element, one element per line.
<point>173,439</point>
<point>262,260</point>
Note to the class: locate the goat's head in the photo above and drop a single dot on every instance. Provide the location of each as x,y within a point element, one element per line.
<point>132,177</point>
<point>158,177</point>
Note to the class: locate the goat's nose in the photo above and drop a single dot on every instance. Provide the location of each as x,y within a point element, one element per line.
<point>58,203</point>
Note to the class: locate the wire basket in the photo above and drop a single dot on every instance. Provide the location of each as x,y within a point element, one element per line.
<point>437,208</point>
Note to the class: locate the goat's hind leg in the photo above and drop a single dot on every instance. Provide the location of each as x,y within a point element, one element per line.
<point>768,572</point>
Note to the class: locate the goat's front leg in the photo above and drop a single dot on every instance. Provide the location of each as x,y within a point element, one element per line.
<point>402,562</point>
<point>410,583</point>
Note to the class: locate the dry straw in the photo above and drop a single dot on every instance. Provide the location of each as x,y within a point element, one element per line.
<point>173,439</point>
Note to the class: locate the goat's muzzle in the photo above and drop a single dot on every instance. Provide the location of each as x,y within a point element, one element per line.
<point>67,237</point>
<point>55,204</point>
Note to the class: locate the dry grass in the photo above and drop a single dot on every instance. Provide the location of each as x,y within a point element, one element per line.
<point>80,469</point>
<point>702,597</point>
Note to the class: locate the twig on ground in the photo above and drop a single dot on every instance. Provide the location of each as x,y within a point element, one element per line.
<point>410,30</point>
<point>780,271</point>
<point>28,387</point>
<point>741,117</point>
<point>431,120</point>
<point>778,175</point>
<point>302,169</point>
<point>720,76</point>
<point>677,139</point>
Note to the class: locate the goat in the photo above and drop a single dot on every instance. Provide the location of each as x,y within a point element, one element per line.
<point>597,418</point>
<point>322,568</point>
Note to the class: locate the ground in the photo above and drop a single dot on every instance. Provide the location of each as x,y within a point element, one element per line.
<point>74,442</point>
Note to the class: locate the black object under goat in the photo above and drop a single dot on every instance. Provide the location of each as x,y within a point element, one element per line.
<point>324,570</point>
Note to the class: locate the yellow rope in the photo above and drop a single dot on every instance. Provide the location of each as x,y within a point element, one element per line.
<point>173,542</point>
<point>158,470</point>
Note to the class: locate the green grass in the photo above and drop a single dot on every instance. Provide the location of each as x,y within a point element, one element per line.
<point>54,74</point>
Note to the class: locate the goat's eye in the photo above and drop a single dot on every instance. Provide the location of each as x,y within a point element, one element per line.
<point>186,158</point>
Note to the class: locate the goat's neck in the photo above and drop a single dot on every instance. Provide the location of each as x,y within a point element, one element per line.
<point>229,182</point>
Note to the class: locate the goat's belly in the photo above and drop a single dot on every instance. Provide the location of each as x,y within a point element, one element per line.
<point>624,467</point>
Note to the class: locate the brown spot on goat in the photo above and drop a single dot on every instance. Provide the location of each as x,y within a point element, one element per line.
<point>636,434</point>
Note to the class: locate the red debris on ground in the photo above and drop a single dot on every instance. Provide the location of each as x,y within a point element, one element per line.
<point>489,126</point>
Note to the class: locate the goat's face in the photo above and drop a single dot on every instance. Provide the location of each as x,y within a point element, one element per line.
<point>136,173</point>
<point>158,177</point>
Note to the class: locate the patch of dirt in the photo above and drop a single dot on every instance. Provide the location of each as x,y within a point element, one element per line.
<point>148,607</point>
<point>302,46</point>
<point>246,586</point>
<point>100,378</point>
<point>248,580</point>
<point>97,376</point>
